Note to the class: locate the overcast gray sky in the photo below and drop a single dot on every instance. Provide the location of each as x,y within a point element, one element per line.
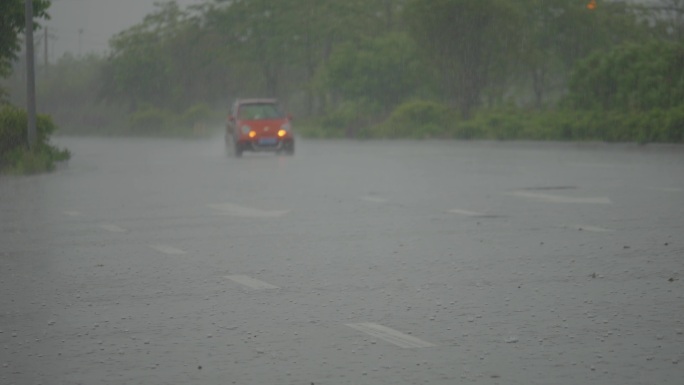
<point>98,19</point>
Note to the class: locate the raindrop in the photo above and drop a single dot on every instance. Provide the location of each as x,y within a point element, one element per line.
<point>511,340</point>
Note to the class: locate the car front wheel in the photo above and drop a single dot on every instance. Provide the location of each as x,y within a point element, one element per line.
<point>289,148</point>
<point>237,149</point>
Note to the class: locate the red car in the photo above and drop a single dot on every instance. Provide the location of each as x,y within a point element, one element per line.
<point>259,125</point>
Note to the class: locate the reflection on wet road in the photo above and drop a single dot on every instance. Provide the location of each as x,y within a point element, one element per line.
<point>165,262</point>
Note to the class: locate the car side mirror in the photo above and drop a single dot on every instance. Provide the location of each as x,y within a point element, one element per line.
<point>289,117</point>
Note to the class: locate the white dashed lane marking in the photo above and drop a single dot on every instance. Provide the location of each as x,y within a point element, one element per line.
<point>593,165</point>
<point>466,213</point>
<point>667,189</point>
<point>112,228</point>
<point>593,229</point>
<point>374,199</point>
<point>251,282</point>
<point>561,198</point>
<point>246,212</point>
<point>166,249</point>
<point>390,335</point>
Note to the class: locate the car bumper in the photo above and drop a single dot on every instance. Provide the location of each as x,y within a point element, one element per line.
<point>266,144</point>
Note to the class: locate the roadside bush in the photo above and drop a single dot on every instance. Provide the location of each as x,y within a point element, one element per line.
<point>153,121</point>
<point>500,124</point>
<point>469,129</point>
<point>674,131</point>
<point>15,155</point>
<point>149,120</point>
<point>658,125</point>
<point>654,125</point>
<point>315,128</point>
<point>340,119</point>
<point>21,161</point>
<point>13,128</point>
<point>351,119</point>
<point>199,114</point>
<point>419,119</point>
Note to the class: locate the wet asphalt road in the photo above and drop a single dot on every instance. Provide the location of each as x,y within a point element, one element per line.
<point>166,262</point>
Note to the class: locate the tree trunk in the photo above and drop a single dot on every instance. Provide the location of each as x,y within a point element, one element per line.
<point>538,85</point>
<point>271,76</point>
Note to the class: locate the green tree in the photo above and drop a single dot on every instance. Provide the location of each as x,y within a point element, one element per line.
<point>286,43</point>
<point>470,42</point>
<point>630,77</point>
<point>261,32</point>
<point>12,23</point>
<point>221,49</point>
<point>68,92</point>
<point>557,33</point>
<point>138,70</point>
<point>383,71</point>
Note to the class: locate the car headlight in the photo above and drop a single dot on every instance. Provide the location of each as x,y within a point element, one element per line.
<point>282,133</point>
<point>287,127</point>
<point>245,129</point>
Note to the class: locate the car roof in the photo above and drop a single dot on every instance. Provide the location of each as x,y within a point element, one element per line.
<point>256,101</point>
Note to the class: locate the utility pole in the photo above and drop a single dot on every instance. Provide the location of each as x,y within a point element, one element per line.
<point>30,77</point>
<point>45,49</point>
<point>80,37</point>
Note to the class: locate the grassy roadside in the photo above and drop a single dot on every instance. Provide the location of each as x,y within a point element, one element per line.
<point>424,120</point>
<point>16,158</point>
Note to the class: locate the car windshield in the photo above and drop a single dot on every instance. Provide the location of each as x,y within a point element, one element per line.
<point>259,111</point>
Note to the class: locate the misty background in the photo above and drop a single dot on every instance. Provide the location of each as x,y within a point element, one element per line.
<point>540,70</point>
<point>85,26</point>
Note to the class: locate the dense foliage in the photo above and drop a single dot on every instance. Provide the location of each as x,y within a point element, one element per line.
<point>12,23</point>
<point>482,39</point>
<point>358,67</point>
<point>380,72</point>
<point>630,77</point>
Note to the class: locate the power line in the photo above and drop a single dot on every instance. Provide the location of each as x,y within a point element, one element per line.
<point>76,31</point>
